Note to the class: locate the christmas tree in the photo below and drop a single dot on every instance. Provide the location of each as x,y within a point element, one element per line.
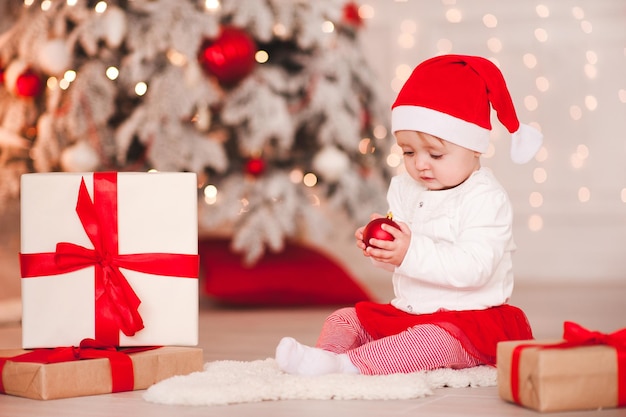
<point>271,102</point>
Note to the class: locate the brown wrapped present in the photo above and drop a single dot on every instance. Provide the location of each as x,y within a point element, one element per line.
<point>585,371</point>
<point>75,372</point>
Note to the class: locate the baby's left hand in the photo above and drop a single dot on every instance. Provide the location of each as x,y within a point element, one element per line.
<point>390,251</point>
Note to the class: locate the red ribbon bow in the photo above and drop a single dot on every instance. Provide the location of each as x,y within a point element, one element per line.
<point>576,336</point>
<point>579,336</point>
<point>116,303</point>
<point>122,373</point>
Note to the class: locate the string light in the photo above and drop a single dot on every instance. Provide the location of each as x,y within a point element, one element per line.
<point>212,5</point>
<point>529,60</point>
<point>541,35</point>
<point>364,145</point>
<point>542,84</point>
<point>70,75</point>
<point>540,175</point>
<point>575,112</point>
<point>310,180</point>
<point>280,30</point>
<point>296,175</point>
<point>542,11</point>
<point>444,46</point>
<point>584,194</point>
<point>494,45</point>
<point>535,223</point>
<point>112,73</point>
<point>328,27</point>
<point>591,102</point>
<point>578,13</point>
<point>406,39</point>
<point>531,103</point>
<point>586,26</point>
<point>210,194</point>
<point>490,21</point>
<point>261,56</point>
<point>52,83</point>
<point>141,88</point>
<point>366,11</point>
<point>101,7</point>
<point>176,58</point>
<point>64,84</point>
<point>380,132</point>
<point>535,199</point>
<point>454,15</point>
<point>542,154</point>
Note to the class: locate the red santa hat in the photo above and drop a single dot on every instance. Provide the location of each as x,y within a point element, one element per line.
<point>451,96</point>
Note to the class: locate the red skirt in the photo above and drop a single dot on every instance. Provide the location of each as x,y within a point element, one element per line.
<point>478,331</point>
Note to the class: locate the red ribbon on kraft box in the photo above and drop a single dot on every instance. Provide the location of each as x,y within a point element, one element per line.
<point>116,303</point>
<point>122,373</point>
<point>575,335</point>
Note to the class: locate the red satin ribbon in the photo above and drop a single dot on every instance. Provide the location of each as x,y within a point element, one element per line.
<point>576,336</point>
<point>116,304</point>
<point>122,373</point>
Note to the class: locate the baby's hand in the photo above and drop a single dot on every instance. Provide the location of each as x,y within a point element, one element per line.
<point>359,234</point>
<point>390,251</point>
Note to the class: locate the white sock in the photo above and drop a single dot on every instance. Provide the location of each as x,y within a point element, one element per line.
<point>295,358</point>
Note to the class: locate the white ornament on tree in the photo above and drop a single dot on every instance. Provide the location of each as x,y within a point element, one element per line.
<point>54,57</point>
<point>331,163</point>
<point>115,26</point>
<point>80,157</point>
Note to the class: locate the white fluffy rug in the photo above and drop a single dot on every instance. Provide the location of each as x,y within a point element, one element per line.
<point>231,382</point>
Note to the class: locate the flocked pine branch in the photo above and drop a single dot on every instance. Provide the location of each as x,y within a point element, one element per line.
<point>133,85</point>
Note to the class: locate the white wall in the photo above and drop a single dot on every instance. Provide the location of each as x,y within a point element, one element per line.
<point>583,59</point>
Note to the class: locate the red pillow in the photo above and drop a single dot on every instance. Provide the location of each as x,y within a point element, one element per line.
<point>298,275</point>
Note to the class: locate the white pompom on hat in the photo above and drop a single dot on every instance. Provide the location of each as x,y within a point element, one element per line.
<point>451,97</point>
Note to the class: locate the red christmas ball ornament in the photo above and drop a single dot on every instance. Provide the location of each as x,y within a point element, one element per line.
<point>255,166</point>
<point>229,57</point>
<point>28,84</point>
<point>373,230</point>
<point>351,14</point>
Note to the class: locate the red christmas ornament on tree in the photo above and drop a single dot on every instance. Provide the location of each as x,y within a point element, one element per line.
<point>351,14</point>
<point>229,57</point>
<point>28,84</point>
<point>373,230</point>
<point>255,166</point>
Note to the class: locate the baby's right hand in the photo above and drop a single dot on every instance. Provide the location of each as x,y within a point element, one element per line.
<point>359,238</point>
<point>359,234</point>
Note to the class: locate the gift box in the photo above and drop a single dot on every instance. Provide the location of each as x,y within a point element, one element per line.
<point>109,256</point>
<point>585,370</point>
<point>23,374</point>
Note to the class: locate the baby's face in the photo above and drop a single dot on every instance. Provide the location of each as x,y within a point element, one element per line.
<point>434,162</point>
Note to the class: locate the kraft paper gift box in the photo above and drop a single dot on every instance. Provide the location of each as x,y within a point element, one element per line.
<point>584,371</point>
<point>109,256</point>
<point>101,375</point>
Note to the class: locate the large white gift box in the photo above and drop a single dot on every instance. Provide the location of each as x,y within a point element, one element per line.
<point>109,256</point>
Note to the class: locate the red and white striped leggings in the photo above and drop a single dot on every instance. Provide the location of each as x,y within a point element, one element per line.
<point>422,347</point>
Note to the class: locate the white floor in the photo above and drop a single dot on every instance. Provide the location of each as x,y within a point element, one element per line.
<point>249,334</point>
